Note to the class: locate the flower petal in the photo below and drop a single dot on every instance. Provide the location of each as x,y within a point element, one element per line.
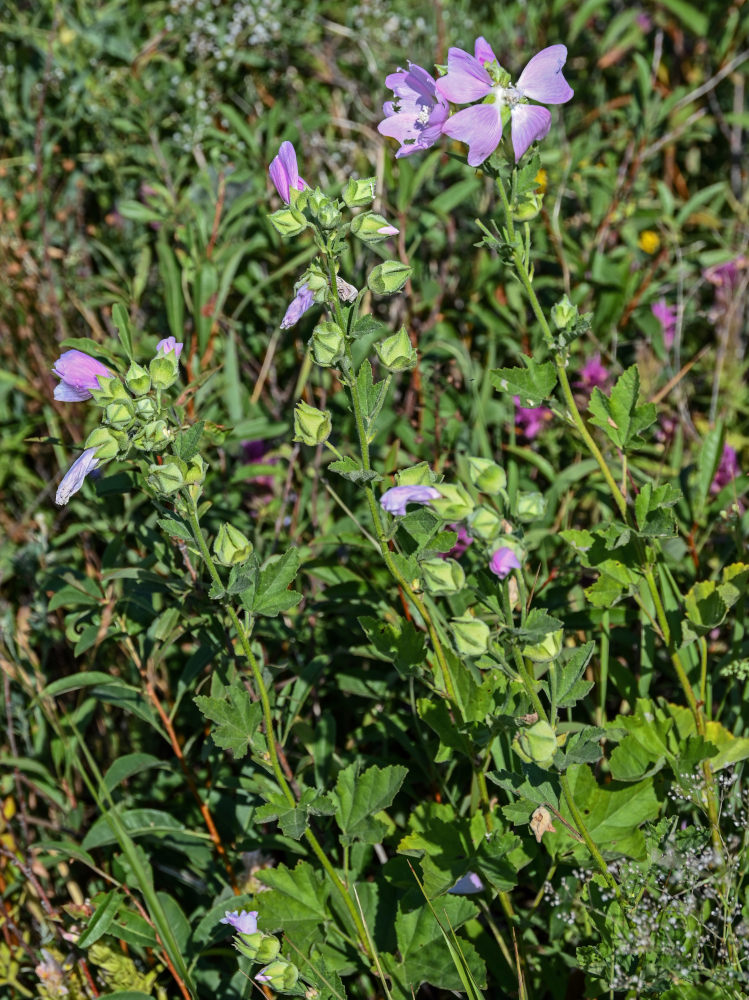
<point>542,78</point>
<point>73,478</point>
<point>466,78</point>
<point>483,51</point>
<point>529,122</point>
<point>67,393</point>
<point>395,499</point>
<point>480,128</point>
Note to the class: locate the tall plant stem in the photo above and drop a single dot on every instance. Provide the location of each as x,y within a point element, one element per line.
<point>262,691</point>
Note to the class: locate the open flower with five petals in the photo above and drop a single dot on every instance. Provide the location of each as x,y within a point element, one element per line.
<point>417,113</point>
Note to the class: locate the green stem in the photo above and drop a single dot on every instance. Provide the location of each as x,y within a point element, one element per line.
<point>589,842</point>
<point>269,734</point>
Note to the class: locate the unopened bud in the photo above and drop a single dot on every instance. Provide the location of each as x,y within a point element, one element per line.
<point>442,576</point>
<point>537,744</point>
<point>167,477</point>
<point>164,369</point>
<point>486,524</point>
<point>396,353</point>
<point>388,278</point>
<point>359,192</point>
<point>328,344</point>
<point>372,228</point>
<point>288,221</point>
<point>107,441</point>
<point>258,947</point>
<point>470,635</point>
<point>279,975</point>
<point>454,503</point>
<point>231,548</point>
<point>548,649</point>
<point>530,506</point>
<point>486,474</point>
<point>311,426</point>
<point>138,380</point>
<point>564,314</point>
<point>120,414</point>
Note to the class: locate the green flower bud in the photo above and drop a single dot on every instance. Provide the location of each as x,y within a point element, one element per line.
<point>359,192</point>
<point>396,352</point>
<point>137,379</point>
<point>564,314</point>
<point>318,283</point>
<point>279,975</point>
<point>527,206</point>
<point>416,475</point>
<point>311,426</point>
<point>153,436</point>
<point>486,524</point>
<point>196,470</point>
<point>168,477</point>
<point>442,576</point>
<point>372,228</point>
<point>120,414</point>
<point>329,215</point>
<point>106,391</point>
<point>454,504</point>
<point>164,369</point>
<point>486,475</point>
<point>387,278</point>
<point>530,506</point>
<point>231,548</point>
<point>470,635</point>
<point>288,221</point>
<point>328,344</point>
<point>258,947</point>
<point>548,649</point>
<point>108,443</point>
<point>145,407</point>
<point>537,744</point>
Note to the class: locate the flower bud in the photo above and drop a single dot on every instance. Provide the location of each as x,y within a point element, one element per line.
<point>530,506</point>
<point>564,314</point>
<point>288,221</point>
<point>153,436</point>
<point>196,470</point>
<point>311,426</point>
<point>546,650</point>
<point>442,576</point>
<point>328,344</point>
<point>396,352</point>
<point>137,379</point>
<point>120,414</point>
<point>416,475</point>
<point>325,210</point>
<point>487,524</point>
<point>258,947</point>
<point>527,206</point>
<point>537,744</point>
<point>164,369</point>
<point>107,442</point>
<point>470,635</point>
<point>359,192</point>
<point>279,975</point>
<point>486,475</point>
<point>168,477</point>
<point>372,228</point>
<point>387,278</point>
<point>231,548</point>
<point>454,503</point>
<point>145,407</point>
<point>318,283</point>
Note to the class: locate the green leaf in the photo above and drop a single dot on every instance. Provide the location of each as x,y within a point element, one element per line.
<point>293,820</point>
<point>691,17</point>
<point>359,796</point>
<point>125,767</point>
<point>352,470</point>
<point>708,603</point>
<point>234,714</point>
<point>176,529</point>
<point>138,823</point>
<point>171,283</point>
<point>295,904</point>
<point>708,460</point>
<point>422,946</point>
<point>567,687</point>
<point>532,783</point>
<point>187,443</point>
<point>533,384</point>
<point>619,416</point>
<point>272,595</point>
<point>121,320</point>
<point>653,510</point>
<point>396,642</point>
<point>106,909</point>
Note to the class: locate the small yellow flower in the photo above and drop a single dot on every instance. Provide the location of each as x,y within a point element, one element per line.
<point>541,179</point>
<point>649,241</point>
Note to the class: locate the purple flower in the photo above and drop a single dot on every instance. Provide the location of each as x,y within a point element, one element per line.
<point>480,127</point>
<point>388,231</point>
<point>169,344</point>
<point>244,921</point>
<point>503,562</point>
<point>78,374</point>
<point>284,172</point>
<point>461,544</point>
<point>417,112</point>
<point>530,419</point>
<point>667,317</point>
<point>395,499</point>
<point>593,375</point>
<point>73,478</point>
<point>726,277</point>
<point>728,469</point>
<point>302,301</point>
<point>467,885</point>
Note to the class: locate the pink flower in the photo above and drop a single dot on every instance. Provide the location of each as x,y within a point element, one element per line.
<point>78,374</point>
<point>395,499</point>
<point>503,562</point>
<point>480,126</point>
<point>667,317</point>
<point>530,419</point>
<point>169,344</point>
<point>284,172</point>
<point>593,375</point>
<point>417,112</point>
<point>728,469</point>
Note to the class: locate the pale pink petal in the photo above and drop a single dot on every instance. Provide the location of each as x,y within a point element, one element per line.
<point>483,51</point>
<point>529,122</point>
<point>466,79</point>
<point>480,128</point>
<point>542,78</point>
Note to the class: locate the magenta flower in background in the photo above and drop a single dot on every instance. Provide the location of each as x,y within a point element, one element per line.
<point>244,921</point>
<point>593,374</point>
<point>78,374</point>
<point>726,278</point>
<point>467,885</point>
<point>284,172</point>
<point>728,469</point>
<point>302,301</point>
<point>417,112</point>
<point>73,478</point>
<point>461,544</point>
<point>169,344</point>
<point>395,499</point>
<point>530,419</point>
<point>503,562</point>
<point>480,127</point>
<point>667,317</point>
